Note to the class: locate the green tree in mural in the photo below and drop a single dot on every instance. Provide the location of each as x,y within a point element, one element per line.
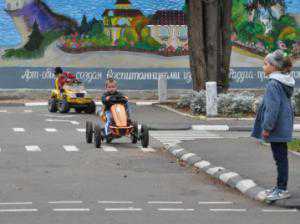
<point>84,27</point>
<point>249,31</point>
<point>35,38</point>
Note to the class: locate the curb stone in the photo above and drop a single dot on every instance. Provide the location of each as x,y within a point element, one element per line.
<point>245,186</point>
<point>232,179</point>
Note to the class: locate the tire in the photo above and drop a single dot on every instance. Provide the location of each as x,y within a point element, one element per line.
<point>78,110</point>
<point>97,136</point>
<point>145,136</point>
<point>108,139</point>
<point>91,109</point>
<point>135,133</point>
<point>52,106</point>
<point>89,132</point>
<point>63,106</point>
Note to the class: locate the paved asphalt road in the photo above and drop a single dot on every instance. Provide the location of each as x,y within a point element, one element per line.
<point>48,174</point>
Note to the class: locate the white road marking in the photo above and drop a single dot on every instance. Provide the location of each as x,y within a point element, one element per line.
<point>70,148</point>
<point>16,203</point>
<point>3,111</point>
<point>59,116</point>
<point>215,203</point>
<point>18,210</point>
<point>36,104</point>
<point>81,130</point>
<point>145,103</point>
<point>115,202</point>
<point>165,202</point>
<point>71,209</point>
<point>176,209</point>
<point>19,129</point>
<point>210,127</point>
<point>66,121</point>
<point>50,130</point>
<point>123,209</point>
<point>33,148</point>
<point>64,202</point>
<point>147,149</point>
<point>28,111</point>
<point>279,210</point>
<point>227,210</point>
<point>109,149</point>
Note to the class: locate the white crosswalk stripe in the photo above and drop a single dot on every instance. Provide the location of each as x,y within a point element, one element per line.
<point>107,148</point>
<point>33,148</point>
<point>175,137</point>
<point>50,130</point>
<point>19,129</point>
<point>71,148</point>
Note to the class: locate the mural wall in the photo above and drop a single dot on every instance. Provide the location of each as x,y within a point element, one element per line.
<point>134,41</point>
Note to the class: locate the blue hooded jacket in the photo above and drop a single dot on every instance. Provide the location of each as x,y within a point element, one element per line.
<point>275,114</point>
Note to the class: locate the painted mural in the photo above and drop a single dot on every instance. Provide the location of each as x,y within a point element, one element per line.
<point>140,38</point>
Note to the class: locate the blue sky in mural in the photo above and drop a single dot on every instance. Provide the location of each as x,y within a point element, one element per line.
<point>76,9</point>
<point>94,8</point>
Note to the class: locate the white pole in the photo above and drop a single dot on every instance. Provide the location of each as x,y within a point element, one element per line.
<point>162,88</point>
<point>211,99</point>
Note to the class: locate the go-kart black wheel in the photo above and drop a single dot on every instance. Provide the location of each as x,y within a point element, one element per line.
<point>52,106</point>
<point>63,106</point>
<point>79,110</point>
<point>108,139</point>
<point>97,136</point>
<point>91,109</point>
<point>145,136</point>
<point>89,132</point>
<point>135,133</point>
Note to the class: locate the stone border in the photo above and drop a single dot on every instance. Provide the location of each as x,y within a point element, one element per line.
<point>230,178</point>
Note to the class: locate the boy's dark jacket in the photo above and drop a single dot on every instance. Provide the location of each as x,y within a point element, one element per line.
<point>109,103</point>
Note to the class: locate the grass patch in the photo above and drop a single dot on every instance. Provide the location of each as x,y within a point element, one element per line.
<point>22,53</point>
<point>294,145</point>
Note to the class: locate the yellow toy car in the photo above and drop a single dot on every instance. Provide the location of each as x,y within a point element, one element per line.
<point>73,95</point>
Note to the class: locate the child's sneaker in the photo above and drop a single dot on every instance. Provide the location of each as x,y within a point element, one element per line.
<point>277,195</point>
<point>270,191</point>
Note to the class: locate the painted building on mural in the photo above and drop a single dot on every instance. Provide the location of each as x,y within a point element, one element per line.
<point>169,27</point>
<point>115,20</point>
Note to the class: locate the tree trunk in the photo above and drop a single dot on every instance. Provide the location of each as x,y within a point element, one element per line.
<point>196,43</point>
<point>209,41</point>
<point>212,37</point>
<point>225,42</point>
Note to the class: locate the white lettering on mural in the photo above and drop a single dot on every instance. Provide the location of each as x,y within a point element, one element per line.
<point>85,76</point>
<point>239,76</point>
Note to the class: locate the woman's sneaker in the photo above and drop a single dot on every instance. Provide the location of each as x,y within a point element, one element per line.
<point>277,195</point>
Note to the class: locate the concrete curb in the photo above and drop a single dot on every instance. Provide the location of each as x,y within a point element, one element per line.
<point>232,179</point>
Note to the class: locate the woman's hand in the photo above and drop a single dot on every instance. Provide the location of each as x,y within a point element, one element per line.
<point>265,134</point>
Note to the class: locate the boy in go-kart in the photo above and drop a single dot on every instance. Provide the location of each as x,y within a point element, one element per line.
<point>111,91</point>
<point>62,78</point>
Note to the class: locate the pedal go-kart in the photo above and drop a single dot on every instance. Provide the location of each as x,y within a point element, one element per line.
<point>74,95</point>
<point>120,126</point>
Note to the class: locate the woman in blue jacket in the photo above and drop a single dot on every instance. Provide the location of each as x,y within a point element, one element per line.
<point>275,117</point>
